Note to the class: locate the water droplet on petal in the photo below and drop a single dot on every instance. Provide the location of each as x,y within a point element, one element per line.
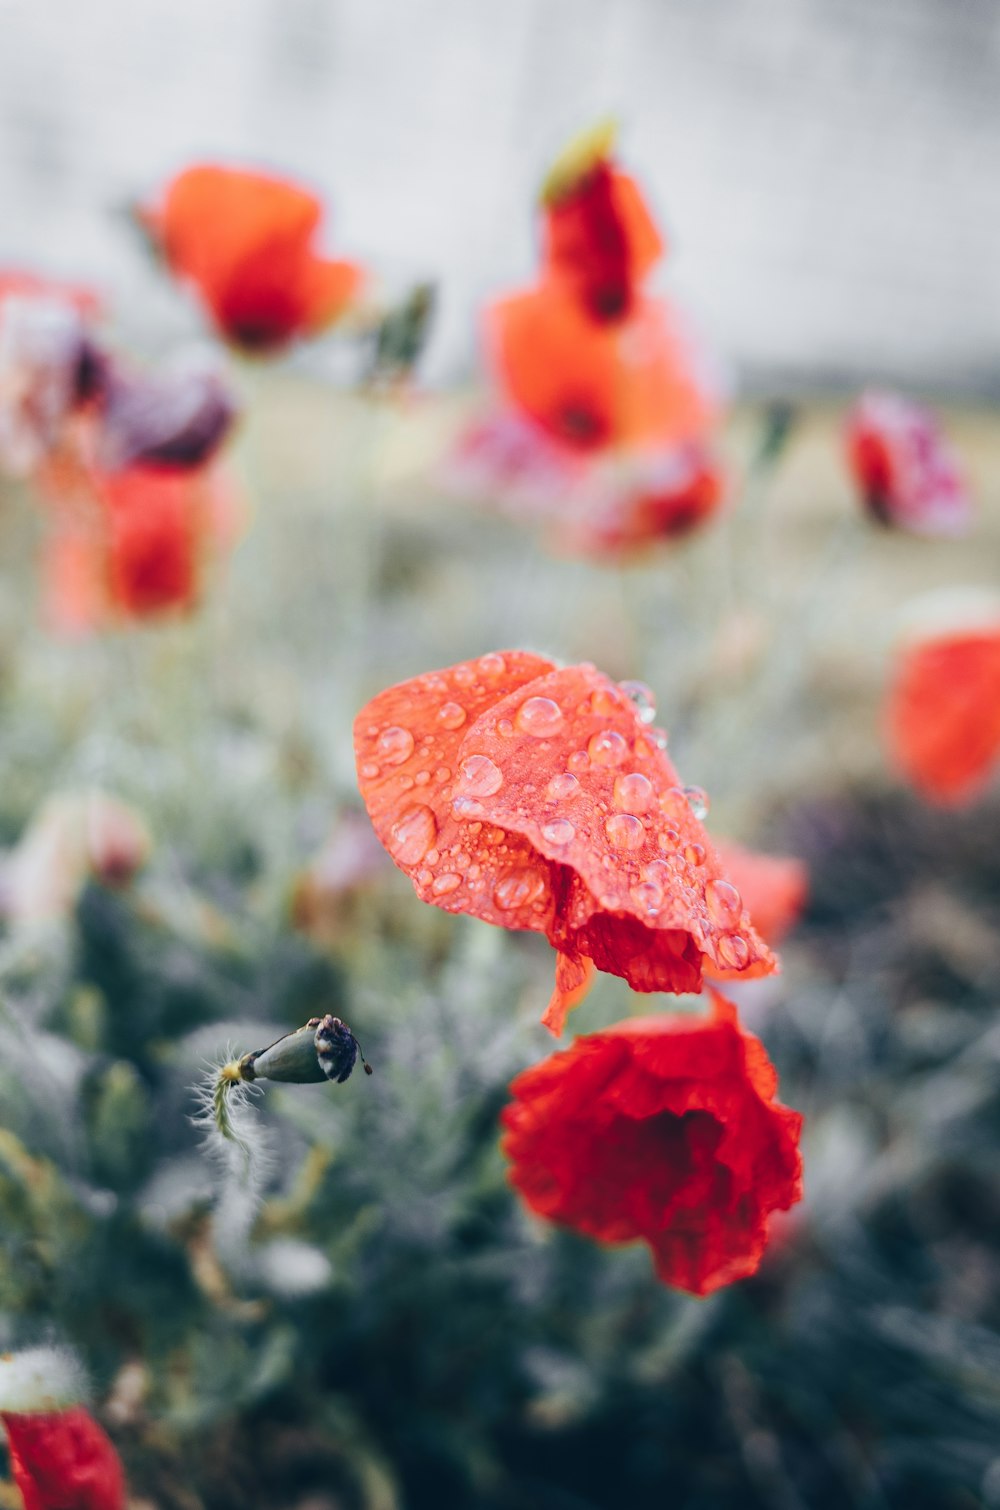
<point>658,872</point>
<point>467,807</point>
<point>606,701</point>
<point>422,778</point>
<point>697,801</point>
<point>609,902</point>
<point>370,770</point>
<point>435,683</point>
<point>451,715</point>
<point>579,760</point>
<point>395,745</point>
<point>643,697</point>
<point>464,676</point>
<point>561,788</point>
<point>492,665</point>
<point>633,793</point>
<point>648,896</point>
<point>559,831</point>
<point>725,905</point>
<point>734,950</point>
<point>443,884</point>
<point>625,832</point>
<point>479,777</point>
<point>412,835</point>
<point>607,747</point>
<point>694,854</point>
<point>505,728</point>
<point>518,888</point>
<point>669,839</point>
<point>660,738</point>
<point>539,716</point>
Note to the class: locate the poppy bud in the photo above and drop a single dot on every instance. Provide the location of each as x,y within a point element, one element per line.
<point>325,1049</point>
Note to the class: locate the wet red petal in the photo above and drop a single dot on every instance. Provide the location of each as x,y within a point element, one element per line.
<point>573,978</point>
<point>661,1129</point>
<point>943,714</point>
<point>64,1461</point>
<point>536,798</point>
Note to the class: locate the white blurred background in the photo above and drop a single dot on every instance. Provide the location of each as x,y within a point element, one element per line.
<point>827,170</point>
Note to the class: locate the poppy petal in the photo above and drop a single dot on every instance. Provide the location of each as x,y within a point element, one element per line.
<point>943,714</point>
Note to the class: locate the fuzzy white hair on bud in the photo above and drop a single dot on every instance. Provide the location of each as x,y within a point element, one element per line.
<point>40,1379</point>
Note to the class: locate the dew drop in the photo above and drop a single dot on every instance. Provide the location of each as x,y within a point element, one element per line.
<point>660,738</point>
<point>422,778</point>
<point>669,839</point>
<point>697,801</point>
<point>633,793</point>
<point>432,856</point>
<point>443,884</point>
<point>606,701</point>
<point>412,835</point>
<point>442,773</point>
<point>643,697</point>
<point>607,747</point>
<point>658,872</point>
<point>734,950</point>
<point>464,676</point>
<point>724,903</point>
<point>609,902</point>
<point>694,854</point>
<point>625,832</point>
<point>435,683</point>
<point>395,745</point>
<point>479,777</point>
<point>467,807</point>
<point>451,715</point>
<point>518,888</point>
<point>492,665</point>
<point>648,896</point>
<point>505,728</point>
<point>370,770</point>
<point>561,788</point>
<point>559,831</point>
<point>579,760</point>
<point>539,716</point>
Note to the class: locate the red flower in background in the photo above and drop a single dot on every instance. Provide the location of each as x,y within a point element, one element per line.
<point>661,496</point>
<point>134,544</point>
<point>908,474</point>
<point>62,1460</point>
<point>536,797</point>
<point>246,242</point>
<point>591,384</point>
<point>663,1130</point>
<point>774,887</point>
<point>943,712</point>
<point>599,238</point>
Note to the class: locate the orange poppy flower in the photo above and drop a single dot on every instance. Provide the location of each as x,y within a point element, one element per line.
<point>943,713</point>
<point>536,797</point>
<point>774,888</point>
<point>599,237</point>
<point>245,240</point>
<point>592,385</point>
<point>135,546</point>
<point>663,1130</point>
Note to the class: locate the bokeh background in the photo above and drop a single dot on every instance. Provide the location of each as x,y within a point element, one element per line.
<point>379,1326</point>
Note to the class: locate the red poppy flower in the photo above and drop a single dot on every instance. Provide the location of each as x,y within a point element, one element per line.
<point>245,240</point>
<point>943,714</point>
<point>663,1130</point>
<point>908,475</point>
<point>660,496</point>
<point>774,887</point>
<point>133,544</point>
<point>536,797</point>
<point>599,237</point>
<point>592,385</point>
<point>62,1460</point>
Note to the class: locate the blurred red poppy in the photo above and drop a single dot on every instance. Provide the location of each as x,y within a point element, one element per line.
<point>663,1130</point>
<point>663,495</point>
<point>943,713</point>
<point>908,474</point>
<point>599,237</point>
<point>134,544</point>
<point>62,1460</point>
<point>245,240</point>
<point>774,887</point>
<point>592,385</point>
<point>536,797</point>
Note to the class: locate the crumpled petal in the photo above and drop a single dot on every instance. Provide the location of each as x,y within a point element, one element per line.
<point>62,1460</point>
<point>664,1130</point>
<point>535,798</point>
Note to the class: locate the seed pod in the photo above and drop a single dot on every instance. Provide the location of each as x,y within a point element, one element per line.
<point>325,1049</point>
